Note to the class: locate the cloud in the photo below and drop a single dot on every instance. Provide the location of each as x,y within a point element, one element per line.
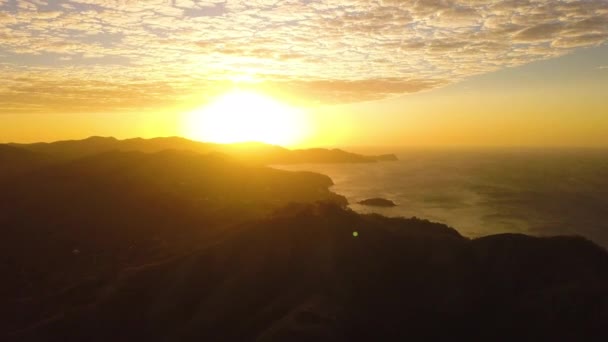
<point>542,32</point>
<point>91,55</point>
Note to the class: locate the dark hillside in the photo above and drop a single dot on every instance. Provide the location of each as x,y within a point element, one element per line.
<point>301,275</point>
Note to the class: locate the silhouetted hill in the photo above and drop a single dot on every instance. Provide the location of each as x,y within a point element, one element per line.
<point>251,152</point>
<point>89,217</point>
<point>180,246</point>
<point>301,275</point>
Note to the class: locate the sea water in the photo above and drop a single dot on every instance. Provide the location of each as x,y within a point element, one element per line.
<point>483,192</point>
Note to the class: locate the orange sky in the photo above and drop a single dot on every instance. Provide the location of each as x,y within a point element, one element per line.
<point>392,73</point>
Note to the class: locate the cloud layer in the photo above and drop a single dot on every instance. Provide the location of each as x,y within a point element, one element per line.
<point>98,55</point>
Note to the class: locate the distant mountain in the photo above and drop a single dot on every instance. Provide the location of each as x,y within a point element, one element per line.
<point>15,160</point>
<point>251,152</point>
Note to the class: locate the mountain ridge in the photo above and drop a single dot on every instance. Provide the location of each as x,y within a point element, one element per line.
<point>256,152</point>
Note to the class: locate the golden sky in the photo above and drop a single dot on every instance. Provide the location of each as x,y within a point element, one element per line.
<point>386,72</point>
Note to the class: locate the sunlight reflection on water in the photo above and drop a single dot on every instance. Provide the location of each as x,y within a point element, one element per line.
<point>479,193</point>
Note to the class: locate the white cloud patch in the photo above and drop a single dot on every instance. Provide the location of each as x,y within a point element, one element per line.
<point>320,51</point>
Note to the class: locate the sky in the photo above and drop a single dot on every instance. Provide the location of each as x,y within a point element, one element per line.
<point>386,72</point>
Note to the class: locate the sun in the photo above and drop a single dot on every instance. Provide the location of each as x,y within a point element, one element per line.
<point>246,116</point>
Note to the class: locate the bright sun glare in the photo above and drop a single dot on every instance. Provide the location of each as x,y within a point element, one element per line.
<point>243,116</point>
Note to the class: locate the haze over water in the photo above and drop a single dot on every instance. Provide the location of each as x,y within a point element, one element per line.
<point>483,192</point>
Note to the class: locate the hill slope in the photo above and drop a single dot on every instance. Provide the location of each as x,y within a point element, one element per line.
<point>65,222</point>
<point>301,275</point>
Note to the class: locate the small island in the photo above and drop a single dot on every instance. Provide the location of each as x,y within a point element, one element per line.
<point>378,202</point>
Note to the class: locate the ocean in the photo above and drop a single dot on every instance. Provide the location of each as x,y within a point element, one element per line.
<point>539,192</point>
